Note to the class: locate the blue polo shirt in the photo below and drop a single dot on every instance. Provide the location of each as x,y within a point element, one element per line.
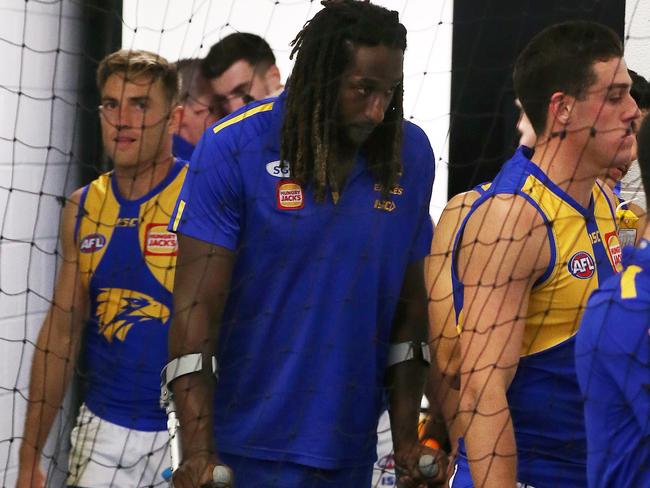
<point>304,336</point>
<point>613,365</point>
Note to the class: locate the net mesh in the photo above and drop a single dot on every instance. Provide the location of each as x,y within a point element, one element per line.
<point>46,116</point>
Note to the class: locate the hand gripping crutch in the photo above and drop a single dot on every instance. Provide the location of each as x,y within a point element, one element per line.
<point>190,363</point>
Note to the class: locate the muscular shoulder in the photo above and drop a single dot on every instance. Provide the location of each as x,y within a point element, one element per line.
<point>506,216</point>
<point>70,211</point>
<point>507,233</point>
<point>450,220</point>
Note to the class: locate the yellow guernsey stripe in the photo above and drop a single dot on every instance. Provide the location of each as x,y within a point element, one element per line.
<point>628,282</point>
<point>179,214</point>
<point>459,325</point>
<point>261,108</point>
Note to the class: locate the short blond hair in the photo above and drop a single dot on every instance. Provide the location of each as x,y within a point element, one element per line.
<point>135,63</point>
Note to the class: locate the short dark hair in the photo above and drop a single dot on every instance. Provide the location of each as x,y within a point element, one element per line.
<point>643,152</point>
<point>324,49</point>
<point>234,47</point>
<point>560,59</point>
<point>640,90</point>
<point>134,63</point>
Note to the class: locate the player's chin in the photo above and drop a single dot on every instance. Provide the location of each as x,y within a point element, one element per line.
<point>359,134</point>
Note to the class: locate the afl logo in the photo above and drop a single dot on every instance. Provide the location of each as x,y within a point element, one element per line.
<point>92,243</point>
<point>582,265</point>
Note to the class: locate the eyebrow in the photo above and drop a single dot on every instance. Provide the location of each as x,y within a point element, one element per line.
<point>144,98</point>
<point>368,79</point>
<point>241,88</point>
<point>618,86</point>
<point>141,99</point>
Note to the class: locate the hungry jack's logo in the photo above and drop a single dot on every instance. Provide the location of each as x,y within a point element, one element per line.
<point>158,241</point>
<point>289,195</point>
<point>614,250</point>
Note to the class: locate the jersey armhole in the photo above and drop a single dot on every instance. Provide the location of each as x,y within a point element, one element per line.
<point>551,242</point>
<point>81,210</point>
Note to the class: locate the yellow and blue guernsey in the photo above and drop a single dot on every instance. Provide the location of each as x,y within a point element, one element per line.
<point>303,340</point>
<point>126,262</point>
<point>544,398</point>
<point>613,366</point>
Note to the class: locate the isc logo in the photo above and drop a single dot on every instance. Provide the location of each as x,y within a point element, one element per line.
<point>582,265</point>
<point>92,243</point>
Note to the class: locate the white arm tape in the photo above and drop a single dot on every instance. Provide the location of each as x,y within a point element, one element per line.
<point>406,351</point>
<point>187,364</point>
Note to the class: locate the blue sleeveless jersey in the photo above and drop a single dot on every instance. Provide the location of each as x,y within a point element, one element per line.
<point>126,262</point>
<point>544,398</point>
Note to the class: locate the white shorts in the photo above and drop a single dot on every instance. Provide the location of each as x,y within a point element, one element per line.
<point>106,455</point>
<point>383,473</point>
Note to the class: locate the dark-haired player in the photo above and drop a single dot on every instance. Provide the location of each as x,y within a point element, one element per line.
<point>241,68</point>
<point>303,225</point>
<point>528,255</point>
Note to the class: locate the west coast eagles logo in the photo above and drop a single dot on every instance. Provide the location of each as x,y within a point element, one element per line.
<point>119,309</point>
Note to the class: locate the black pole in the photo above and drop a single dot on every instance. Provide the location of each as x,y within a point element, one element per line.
<point>102,36</point>
<point>488,35</point>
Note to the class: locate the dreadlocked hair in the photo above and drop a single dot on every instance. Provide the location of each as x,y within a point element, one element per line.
<point>323,50</point>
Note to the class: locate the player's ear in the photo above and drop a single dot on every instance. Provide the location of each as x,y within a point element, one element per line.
<point>560,107</point>
<point>175,118</point>
<point>272,76</point>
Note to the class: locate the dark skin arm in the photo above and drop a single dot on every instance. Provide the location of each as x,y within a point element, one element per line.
<point>201,285</point>
<point>405,382</point>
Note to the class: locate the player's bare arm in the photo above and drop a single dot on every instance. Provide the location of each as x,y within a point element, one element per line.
<point>56,352</point>
<point>503,251</point>
<point>443,381</point>
<point>405,381</point>
<point>443,336</point>
<point>200,290</point>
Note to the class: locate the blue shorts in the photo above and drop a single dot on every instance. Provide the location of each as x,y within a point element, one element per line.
<point>258,473</point>
<point>462,478</point>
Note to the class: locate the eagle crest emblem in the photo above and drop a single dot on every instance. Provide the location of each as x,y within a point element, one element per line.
<point>119,309</point>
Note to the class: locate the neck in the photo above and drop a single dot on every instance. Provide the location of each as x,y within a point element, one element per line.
<point>134,183</point>
<point>563,161</point>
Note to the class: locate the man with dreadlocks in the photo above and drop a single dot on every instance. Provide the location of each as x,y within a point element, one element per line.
<point>302,226</point>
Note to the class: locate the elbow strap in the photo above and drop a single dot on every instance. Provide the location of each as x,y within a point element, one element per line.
<point>407,351</point>
<point>187,364</point>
